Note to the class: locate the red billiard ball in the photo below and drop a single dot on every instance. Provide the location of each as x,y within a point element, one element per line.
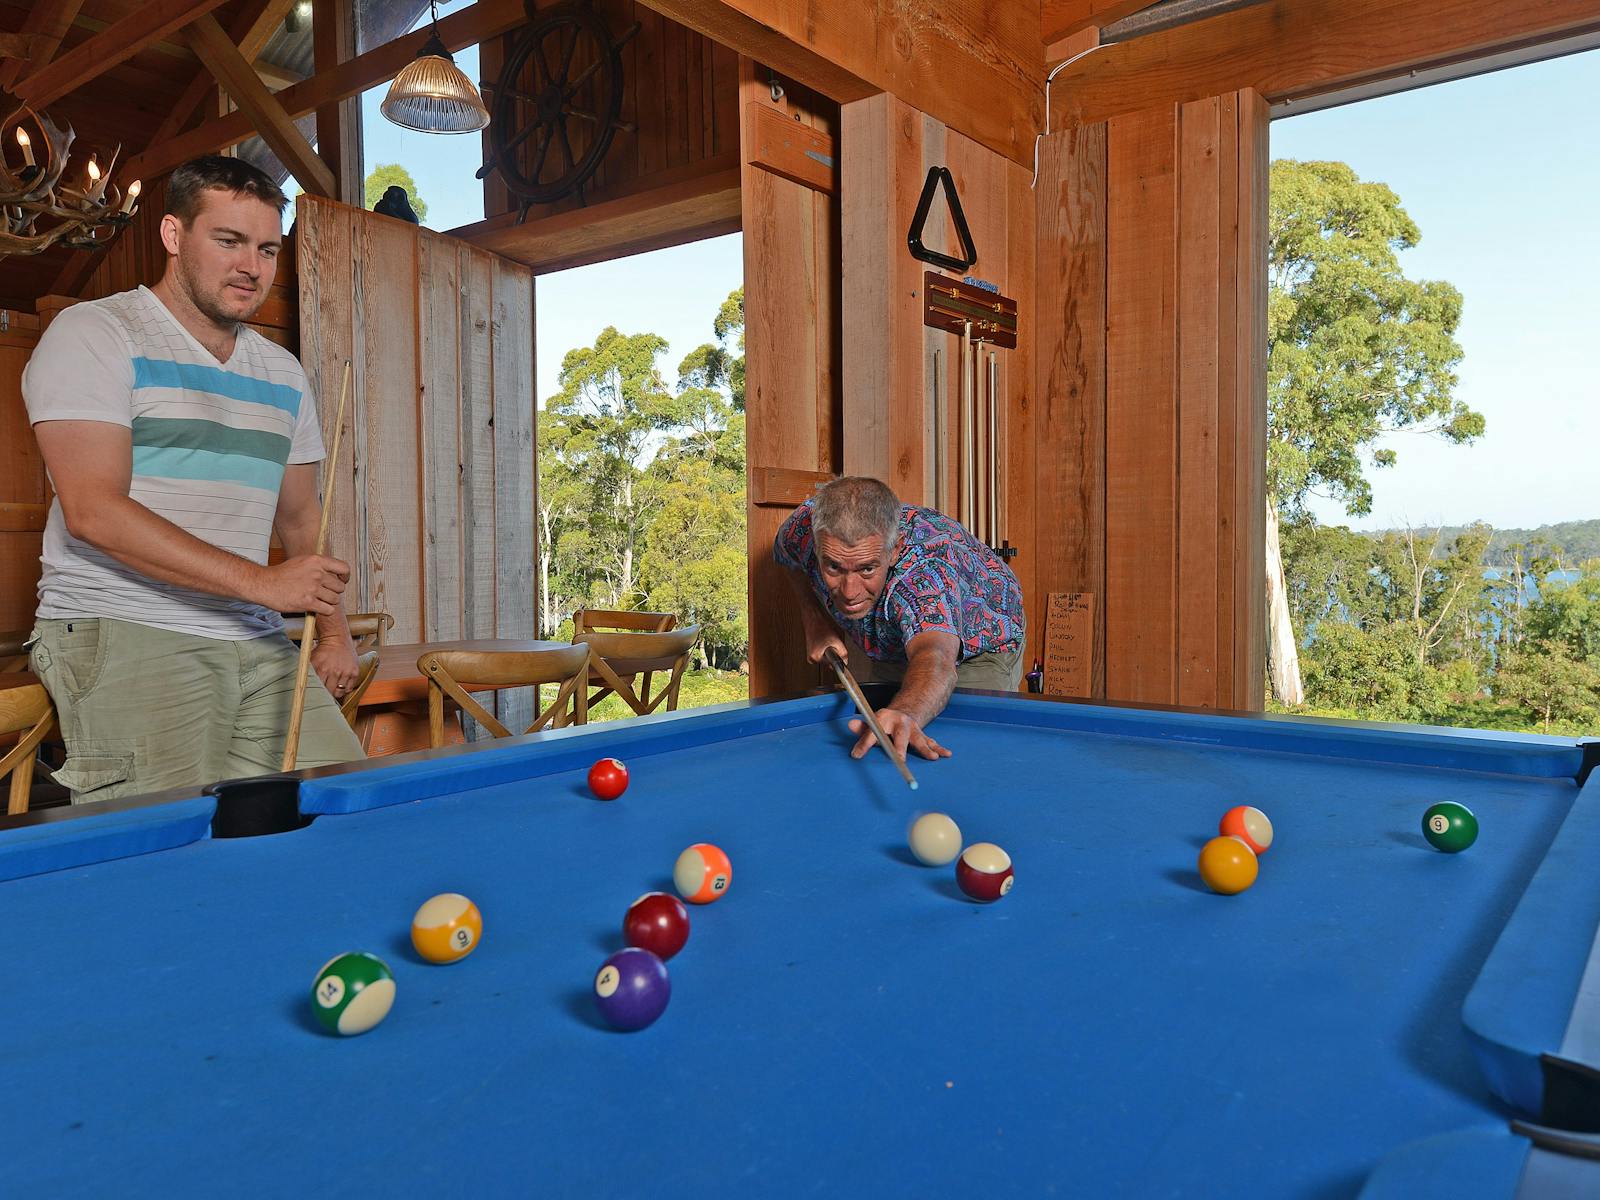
<point>608,778</point>
<point>658,923</point>
<point>984,871</point>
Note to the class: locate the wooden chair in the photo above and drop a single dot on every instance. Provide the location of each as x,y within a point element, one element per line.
<point>13,650</point>
<point>600,620</point>
<point>367,629</point>
<point>26,710</point>
<point>367,668</point>
<point>448,671</point>
<point>619,659</point>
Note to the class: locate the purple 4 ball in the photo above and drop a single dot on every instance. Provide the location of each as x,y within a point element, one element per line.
<point>632,988</point>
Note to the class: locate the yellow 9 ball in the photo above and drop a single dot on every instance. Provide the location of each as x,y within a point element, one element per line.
<point>1227,865</point>
<point>447,928</point>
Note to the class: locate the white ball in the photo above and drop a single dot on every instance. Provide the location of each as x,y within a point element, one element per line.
<point>935,839</point>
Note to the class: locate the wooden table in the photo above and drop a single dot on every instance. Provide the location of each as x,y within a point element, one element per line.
<point>393,715</point>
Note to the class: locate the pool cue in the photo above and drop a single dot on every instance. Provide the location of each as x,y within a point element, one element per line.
<point>831,656</point>
<point>297,707</point>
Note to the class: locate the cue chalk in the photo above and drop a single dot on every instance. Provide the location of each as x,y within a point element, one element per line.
<point>308,635</point>
<point>831,657</point>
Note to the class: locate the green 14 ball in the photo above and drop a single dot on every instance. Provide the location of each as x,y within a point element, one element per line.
<point>1450,827</point>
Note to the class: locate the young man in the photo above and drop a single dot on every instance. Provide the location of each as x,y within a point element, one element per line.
<point>177,439</point>
<point>931,606</point>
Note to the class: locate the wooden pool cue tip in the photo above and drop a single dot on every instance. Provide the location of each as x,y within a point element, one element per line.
<point>297,706</point>
<point>831,656</point>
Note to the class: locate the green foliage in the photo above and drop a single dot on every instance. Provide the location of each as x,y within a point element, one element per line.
<point>641,486</point>
<point>1374,672</point>
<point>697,689</point>
<point>1355,349</point>
<point>385,175</point>
<point>1564,543</point>
<point>1552,683</point>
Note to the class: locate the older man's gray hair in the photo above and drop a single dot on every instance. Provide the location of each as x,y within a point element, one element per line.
<point>855,508</point>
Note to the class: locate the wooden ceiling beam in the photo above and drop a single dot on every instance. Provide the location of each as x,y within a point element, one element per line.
<point>466,27</point>
<point>277,128</point>
<point>251,33</point>
<point>1292,49</point>
<point>973,64</point>
<point>47,23</point>
<point>99,54</point>
<point>1061,18</point>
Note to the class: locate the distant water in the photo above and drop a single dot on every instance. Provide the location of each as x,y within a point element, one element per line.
<point>1530,586</point>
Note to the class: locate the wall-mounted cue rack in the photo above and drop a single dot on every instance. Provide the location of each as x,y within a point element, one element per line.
<point>984,321</point>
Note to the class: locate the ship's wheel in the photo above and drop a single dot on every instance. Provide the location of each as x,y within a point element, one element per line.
<point>557,104</point>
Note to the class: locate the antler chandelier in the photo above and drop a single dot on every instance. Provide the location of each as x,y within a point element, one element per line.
<point>38,209</point>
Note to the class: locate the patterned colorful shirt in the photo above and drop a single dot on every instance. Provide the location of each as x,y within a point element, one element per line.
<point>943,579</point>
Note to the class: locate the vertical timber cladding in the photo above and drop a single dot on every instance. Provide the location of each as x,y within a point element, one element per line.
<point>1163,398</point>
<point>434,506</point>
<point>792,349</point>
<point>899,373</point>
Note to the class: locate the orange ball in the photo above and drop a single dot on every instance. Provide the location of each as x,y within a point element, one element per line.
<point>1228,865</point>
<point>702,873</point>
<point>1249,825</point>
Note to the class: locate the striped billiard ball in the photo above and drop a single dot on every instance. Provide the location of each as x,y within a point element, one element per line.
<point>447,928</point>
<point>352,993</point>
<point>1249,825</point>
<point>984,871</point>
<point>702,873</point>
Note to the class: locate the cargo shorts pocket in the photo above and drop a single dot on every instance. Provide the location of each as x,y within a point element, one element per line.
<point>70,656</point>
<point>89,774</point>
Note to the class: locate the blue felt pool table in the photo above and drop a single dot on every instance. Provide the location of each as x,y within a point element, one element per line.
<point>844,1021</point>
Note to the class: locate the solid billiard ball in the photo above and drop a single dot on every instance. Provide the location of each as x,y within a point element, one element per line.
<point>632,989</point>
<point>658,923</point>
<point>984,871</point>
<point>608,778</point>
<point>935,839</point>
<point>1249,825</point>
<point>447,928</point>
<point>352,993</point>
<point>1228,865</point>
<point>702,873</point>
<point>1449,826</point>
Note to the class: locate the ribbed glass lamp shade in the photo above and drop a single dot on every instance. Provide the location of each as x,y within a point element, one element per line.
<point>432,95</point>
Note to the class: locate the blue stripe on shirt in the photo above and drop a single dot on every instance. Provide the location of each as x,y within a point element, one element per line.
<point>197,377</point>
<point>177,462</point>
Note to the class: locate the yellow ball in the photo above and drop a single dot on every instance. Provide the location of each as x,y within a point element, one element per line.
<point>447,928</point>
<point>1227,865</point>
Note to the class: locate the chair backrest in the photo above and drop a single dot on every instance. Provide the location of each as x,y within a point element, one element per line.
<point>450,672</point>
<point>13,650</point>
<point>367,629</point>
<point>619,657</point>
<point>590,620</point>
<point>366,670</point>
<point>26,710</point>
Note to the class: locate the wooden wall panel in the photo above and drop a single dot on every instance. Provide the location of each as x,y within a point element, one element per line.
<point>792,347</point>
<point>23,494</point>
<point>442,432</point>
<point>1070,468</point>
<point>1152,374</point>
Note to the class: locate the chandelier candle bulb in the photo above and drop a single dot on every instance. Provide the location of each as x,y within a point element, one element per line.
<point>26,143</point>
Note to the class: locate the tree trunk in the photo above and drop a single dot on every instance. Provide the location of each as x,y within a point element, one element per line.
<point>1283,655</point>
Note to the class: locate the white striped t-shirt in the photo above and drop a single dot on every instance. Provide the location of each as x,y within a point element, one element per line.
<point>210,442</point>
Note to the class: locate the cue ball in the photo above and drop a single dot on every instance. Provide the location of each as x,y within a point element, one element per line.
<point>1449,827</point>
<point>446,928</point>
<point>935,839</point>
<point>632,989</point>
<point>1249,825</point>
<point>1228,865</point>
<point>702,873</point>
<point>608,778</point>
<point>984,871</point>
<point>352,993</point>
<point>658,923</point>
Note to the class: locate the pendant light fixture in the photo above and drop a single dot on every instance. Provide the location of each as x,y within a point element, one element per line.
<point>431,95</point>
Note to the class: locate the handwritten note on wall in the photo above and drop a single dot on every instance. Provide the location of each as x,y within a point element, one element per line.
<point>1069,644</point>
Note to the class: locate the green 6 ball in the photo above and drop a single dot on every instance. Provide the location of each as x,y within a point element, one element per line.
<point>1450,827</point>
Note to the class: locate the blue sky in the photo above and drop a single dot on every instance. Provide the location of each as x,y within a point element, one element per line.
<point>1500,172</point>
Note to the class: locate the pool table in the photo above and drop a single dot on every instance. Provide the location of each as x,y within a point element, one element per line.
<point>844,1021</point>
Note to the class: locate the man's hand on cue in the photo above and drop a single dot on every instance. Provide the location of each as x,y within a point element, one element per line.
<point>309,583</point>
<point>902,729</point>
<point>334,661</point>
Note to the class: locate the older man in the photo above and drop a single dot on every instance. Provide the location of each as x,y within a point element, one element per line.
<point>928,603</point>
